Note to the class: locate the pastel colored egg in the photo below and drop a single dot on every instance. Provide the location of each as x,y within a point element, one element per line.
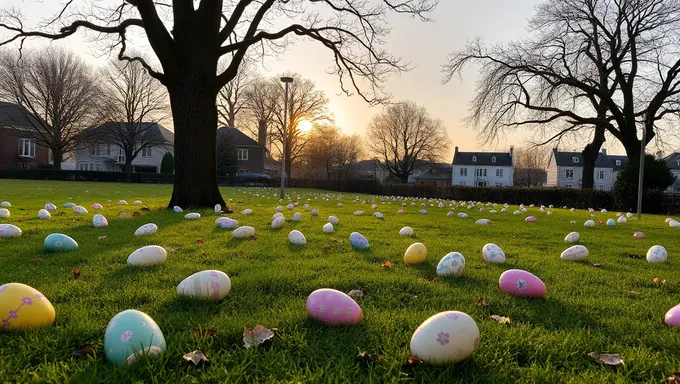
<point>492,253</point>
<point>79,210</point>
<point>657,254</point>
<point>604,211</point>
<point>503,210</point>
<point>358,241</point>
<point>192,216</point>
<point>50,207</point>
<point>99,221</point>
<point>247,211</point>
<point>226,222</point>
<point>611,223</point>
<point>333,307</point>
<point>333,220</point>
<point>674,223</point>
<point>374,206</point>
<point>206,285</point>
<point>9,230</point>
<point>217,208</point>
<point>315,212</point>
<point>24,307</point>
<point>422,212</point>
<point>462,215</point>
<point>278,222</point>
<point>339,205</point>
<point>130,335</point>
<point>243,232</point>
<point>572,237</point>
<point>451,264</point>
<point>450,213</point>
<point>521,283</point>
<point>416,253</point>
<point>122,202</point>
<point>639,235</point>
<point>97,206</point>
<point>589,223</point>
<point>483,221</point>
<point>358,213</point>
<point>277,214</point>
<point>446,337</point>
<point>5,204</point>
<point>278,208</point>
<point>401,211</point>
<point>146,229</point>
<point>4,213</point>
<point>327,228</point>
<point>44,214</point>
<point>378,215</point>
<point>137,202</point>
<point>148,256</point>
<point>69,205</point>
<point>58,242</point>
<point>406,231</point>
<point>296,237</point>
<point>297,216</point>
<point>629,215</point>
<point>530,219</point>
<point>672,318</point>
<point>575,253</point>
<point>177,209</point>
<point>622,220</point>
<point>305,207</point>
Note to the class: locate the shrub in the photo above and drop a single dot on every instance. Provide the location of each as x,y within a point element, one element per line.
<point>657,178</point>
<point>168,163</point>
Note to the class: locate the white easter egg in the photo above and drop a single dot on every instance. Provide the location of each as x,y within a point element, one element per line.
<point>406,231</point>
<point>379,215</point>
<point>572,237</point>
<point>278,222</point>
<point>297,216</point>
<point>122,202</point>
<point>79,210</point>
<point>589,223</point>
<point>192,216</point>
<point>9,230</point>
<point>327,228</point>
<point>657,254</point>
<point>451,264</point>
<point>208,285</point>
<point>629,215</point>
<point>621,220</point>
<point>44,214</point>
<point>147,256</point>
<point>483,221</point>
<point>333,220</point>
<point>99,221</point>
<point>217,209</point>
<point>146,229</point>
<point>247,211</point>
<point>296,237</point>
<point>50,207</point>
<point>492,253</point>
<point>462,215</point>
<point>226,222</point>
<point>177,209</point>
<point>5,204</point>
<point>575,253</point>
<point>358,213</point>
<point>277,214</point>
<point>445,338</point>
<point>243,232</point>
<point>4,213</point>
<point>137,202</point>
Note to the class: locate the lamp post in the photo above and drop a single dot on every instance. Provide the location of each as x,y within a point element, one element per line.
<point>642,166</point>
<point>286,81</point>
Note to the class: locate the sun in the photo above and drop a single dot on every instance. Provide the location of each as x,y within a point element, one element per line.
<point>305,126</point>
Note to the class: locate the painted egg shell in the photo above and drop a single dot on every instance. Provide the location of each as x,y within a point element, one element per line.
<point>589,223</point>
<point>277,214</point>
<point>327,228</point>
<point>358,213</point>
<point>672,317</point>
<point>450,213</point>
<point>521,283</point>
<point>226,222</point>
<point>146,229</point>
<point>516,213</point>
<point>278,222</point>
<point>99,221</point>
<point>674,223</point>
<point>69,205</point>
<point>492,253</point>
<point>406,231</point>
<point>422,212</point>
<point>333,307</point>
<point>79,210</point>
<point>358,241</point>
<point>444,338</point>
<point>96,206</point>
<point>611,222</point>
<point>575,253</point>
<point>379,215</point>
<point>137,202</point>
<point>604,211</point>
<point>177,209</point>
<point>192,216</point>
<point>621,220</point>
<point>149,255</point>
<point>5,204</point>
<point>50,207</point>
<point>451,264</point>
<point>503,210</point>
<point>23,307</point>
<point>278,208</point>
<point>315,212</point>
<point>374,206</point>
<point>619,214</point>
<point>122,202</point>
<point>217,208</point>
<point>4,213</point>
<point>572,237</point>
<point>493,211</point>
<point>243,232</point>
<point>629,215</point>
<point>9,230</point>
<point>130,335</point>
<point>657,254</point>
<point>483,221</point>
<point>44,214</point>
<point>210,285</point>
<point>573,222</point>
<point>523,210</point>
<point>247,211</point>
<point>305,207</point>
<point>333,220</point>
<point>57,242</point>
<point>339,205</point>
<point>290,207</point>
<point>297,238</point>
<point>401,211</point>
<point>415,253</point>
<point>530,219</point>
<point>639,235</point>
<point>462,215</point>
<point>297,216</point>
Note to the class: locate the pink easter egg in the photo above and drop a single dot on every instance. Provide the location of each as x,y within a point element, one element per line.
<point>639,235</point>
<point>333,307</point>
<point>530,219</point>
<point>400,211</point>
<point>672,318</point>
<point>450,213</point>
<point>521,283</point>
<point>668,219</point>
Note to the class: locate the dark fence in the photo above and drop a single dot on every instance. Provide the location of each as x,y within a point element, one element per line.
<point>65,175</point>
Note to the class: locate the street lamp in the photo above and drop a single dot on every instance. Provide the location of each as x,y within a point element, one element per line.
<point>642,165</point>
<point>286,81</point>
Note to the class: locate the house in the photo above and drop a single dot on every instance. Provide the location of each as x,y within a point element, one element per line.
<point>18,146</point>
<point>483,169</point>
<point>673,162</point>
<point>372,169</point>
<point>565,169</point>
<point>97,152</point>
<point>437,176</point>
<point>250,153</point>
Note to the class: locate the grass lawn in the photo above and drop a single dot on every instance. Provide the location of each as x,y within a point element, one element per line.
<point>613,308</point>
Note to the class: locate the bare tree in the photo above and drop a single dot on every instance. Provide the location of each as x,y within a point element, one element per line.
<point>405,136</point>
<point>203,31</point>
<point>133,103</point>
<point>258,108</point>
<point>231,100</point>
<point>329,153</point>
<point>55,87</point>
<point>602,65</point>
<point>530,164</point>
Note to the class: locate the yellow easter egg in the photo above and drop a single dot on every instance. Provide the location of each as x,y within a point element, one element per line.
<point>415,253</point>
<point>23,307</point>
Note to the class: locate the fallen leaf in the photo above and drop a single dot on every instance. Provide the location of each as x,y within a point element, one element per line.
<point>481,302</point>
<point>367,358</point>
<point>124,215</point>
<point>83,351</point>
<point>252,237</point>
<point>413,361</point>
<point>675,379</point>
<point>37,259</point>
<point>102,237</point>
<point>356,294</point>
<point>634,256</point>
<point>432,278</point>
<point>21,220</point>
<point>597,265</point>
<point>207,333</point>
<point>197,357</point>
<point>387,264</point>
<point>337,241</point>
<point>613,359</point>
<point>408,297</point>
<point>241,252</point>
<point>326,249</point>
<point>200,241</point>
<point>657,280</point>
<point>135,214</point>
<point>501,319</point>
<point>256,336</point>
<point>76,273</point>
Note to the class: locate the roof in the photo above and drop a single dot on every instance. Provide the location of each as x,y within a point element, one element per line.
<point>623,160</point>
<point>239,138</point>
<point>436,173</point>
<point>566,159</point>
<point>503,159</point>
<point>367,165</point>
<point>152,132</point>
<point>673,160</point>
<point>16,116</point>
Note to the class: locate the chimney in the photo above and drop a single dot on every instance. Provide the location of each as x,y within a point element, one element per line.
<point>512,150</point>
<point>604,151</point>
<point>456,151</point>
<point>262,133</point>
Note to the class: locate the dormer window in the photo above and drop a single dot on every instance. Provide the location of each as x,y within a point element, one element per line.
<point>618,163</point>
<point>474,159</point>
<point>493,159</point>
<point>574,159</point>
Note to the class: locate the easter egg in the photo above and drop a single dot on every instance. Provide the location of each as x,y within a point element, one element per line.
<point>146,229</point>
<point>483,221</point>
<point>44,214</point>
<point>572,237</point>
<point>57,242</point>
<point>278,208</point>
<point>147,256</point>
<point>333,220</point>
<point>297,238</point>
<point>69,205</point>
<point>575,253</point>
<point>278,222</point>
<point>79,210</point>
<point>339,205</point>
<point>226,222</point>
<point>462,215</point>
<point>137,202</point>
<point>327,228</point>
<point>530,219</point>
<point>657,254</point>
<point>521,283</point>
<point>177,209</point>
<point>639,235</point>
<point>209,285</point>
<point>444,338</point>
<point>243,232</point>
<point>516,213</point>
<point>451,264</point>
<point>415,253</point>
<point>217,208</point>
<point>406,231</point>
<point>122,202</point>
<point>378,215</point>
<point>297,216</point>
<point>621,220</point>
<point>333,307</point>
<point>422,212</point>
<point>315,212</point>
<point>99,221</point>
<point>492,253</point>
<point>674,223</point>
<point>629,215</point>
<point>611,222</point>
<point>24,307</point>
<point>130,335</point>
<point>503,210</point>
<point>247,211</point>
<point>672,318</point>
<point>192,216</point>
<point>589,223</point>
<point>9,230</point>
<point>4,213</point>
<point>5,204</point>
<point>97,206</point>
<point>305,207</point>
<point>358,241</point>
<point>604,211</point>
<point>50,207</point>
<point>277,214</point>
<point>401,211</point>
<point>358,213</point>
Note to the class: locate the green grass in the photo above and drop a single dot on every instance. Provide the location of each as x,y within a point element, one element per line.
<point>615,308</point>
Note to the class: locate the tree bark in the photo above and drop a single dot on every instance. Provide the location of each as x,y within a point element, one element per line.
<point>57,159</point>
<point>127,167</point>
<point>590,154</point>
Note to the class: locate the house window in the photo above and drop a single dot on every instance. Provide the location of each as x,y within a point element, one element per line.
<point>146,152</point>
<point>600,175</point>
<point>569,186</point>
<point>463,171</point>
<point>84,167</point>
<point>95,150</point>
<point>499,172</point>
<point>493,159</point>
<point>50,157</point>
<point>600,186</point>
<point>481,183</point>
<point>26,148</point>
<point>481,172</point>
<point>569,174</point>
<point>575,159</point>
<point>499,184</point>
<point>474,159</point>
<point>98,167</point>
<point>121,155</point>
<point>243,154</point>
<point>108,150</point>
<point>618,163</point>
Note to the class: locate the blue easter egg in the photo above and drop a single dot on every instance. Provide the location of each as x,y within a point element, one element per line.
<point>57,242</point>
<point>451,264</point>
<point>69,205</point>
<point>611,222</point>
<point>358,241</point>
<point>130,335</point>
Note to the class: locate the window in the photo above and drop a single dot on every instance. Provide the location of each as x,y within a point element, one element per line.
<point>499,184</point>
<point>493,159</point>
<point>600,175</point>
<point>569,174</point>
<point>84,166</point>
<point>618,163</point>
<point>600,186</point>
<point>95,150</point>
<point>462,183</point>
<point>243,171</point>
<point>481,172</point>
<point>569,186</point>
<point>26,148</point>
<point>481,183</point>
<point>243,154</point>
<point>474,159</point>
<point>499,172</point>
<point>121,155</point>
<point>575,159</point>
<point>146,152</point>
<point>108,150</point>
<point>98,167</point>
<point>463,171</point>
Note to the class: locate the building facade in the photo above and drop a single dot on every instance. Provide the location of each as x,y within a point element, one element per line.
<point>250,153</point>
<point>565,170</point>
<point>483,169</point>
<point>19,148</point>
<point>673,162</point>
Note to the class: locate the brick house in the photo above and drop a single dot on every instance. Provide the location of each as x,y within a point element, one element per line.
<point>18,147</point>
<point>250,153</point>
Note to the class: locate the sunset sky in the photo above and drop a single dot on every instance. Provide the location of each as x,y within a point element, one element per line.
<point>425,45</point>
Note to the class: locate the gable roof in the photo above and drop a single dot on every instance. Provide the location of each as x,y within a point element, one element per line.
<point>437,173</point>
<point>673,160</point>
<point>239,138</point>
<point>566,159</point>
<point>15,116</point>
<point>503,159</point>
<point>152,132</point>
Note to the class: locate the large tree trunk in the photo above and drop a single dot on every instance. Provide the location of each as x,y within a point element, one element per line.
<point>127,167</point>
<point>590,157</point>
<point>57,159</point>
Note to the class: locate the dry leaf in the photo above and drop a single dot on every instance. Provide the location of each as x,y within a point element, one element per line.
<point>21,220</point>
<point>387,264</point>
<point>207,333</point>
<point>37,259</point>
<point>501,319</point>
<point>356,294</point>
<point>83,351</point>
<point>241,252</point>
<point>135,214</point>
<point>597,265</point>
<point>197,357</point>
<point>326,249</point>
<point>613,359</point>
<point>76,273</point>
<point>124,215</point>
<point>200,241</point>
<point>367,358</point>
<point>481,302</point>
<point>337,241</point>
<point>432,278</point>
<point>408,297</point>
<point>634,256</point>
<point>413,361</point>
<point>675,379</point>
<point>102,237</point>
<point>256,336</point>
<point>657,280</point>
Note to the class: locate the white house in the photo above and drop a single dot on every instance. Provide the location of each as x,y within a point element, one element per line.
<point>565,169</point>
<point>483,169</point>
<point>673,162</point>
